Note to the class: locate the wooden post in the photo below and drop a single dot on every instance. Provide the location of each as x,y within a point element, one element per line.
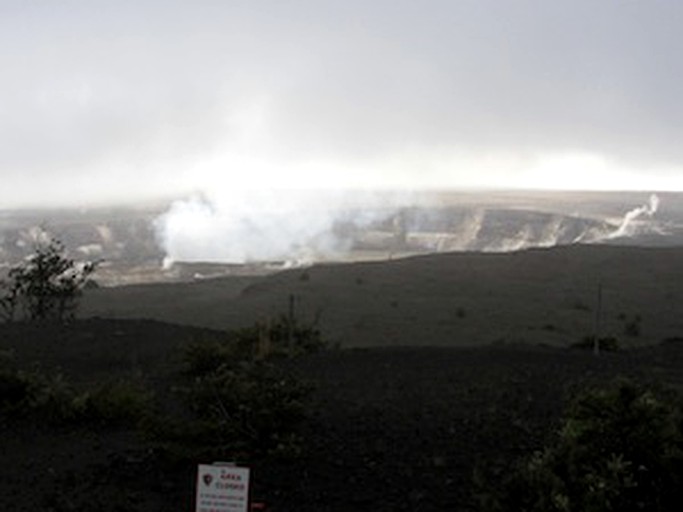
<point>598,314</point>
<point>290,324</point>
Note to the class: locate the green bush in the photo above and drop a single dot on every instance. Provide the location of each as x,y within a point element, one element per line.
<point>619,449</point>
<point>252,409</point>
<point>202,357</point>
<point>50,399</point>
<point>113,403</point>
<point>283,337</point>
<point>235,400</point>
<point>47,398</point>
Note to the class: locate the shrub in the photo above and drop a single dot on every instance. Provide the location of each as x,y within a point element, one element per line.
<point>248,410</point>
<point>619,449</point>
<point>235,400</point>
<point>113,403</point>
<point>50,399</point>
<point>45,398</point>
<point>202,357</point>
<point>284,337</point>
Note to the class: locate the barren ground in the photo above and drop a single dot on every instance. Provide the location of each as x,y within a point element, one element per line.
<point>544,296</point>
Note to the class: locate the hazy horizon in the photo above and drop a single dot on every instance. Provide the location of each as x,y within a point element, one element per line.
<point>351,197</point>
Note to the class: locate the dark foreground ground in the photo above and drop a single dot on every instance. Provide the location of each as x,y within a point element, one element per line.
<point>389,429</point>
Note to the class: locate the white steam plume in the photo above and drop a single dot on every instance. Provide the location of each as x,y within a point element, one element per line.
<point>273,225</point>
<point>295,227</point>
<point>626,228</point>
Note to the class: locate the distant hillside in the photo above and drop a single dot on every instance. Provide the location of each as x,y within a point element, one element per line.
<point>537,296</point>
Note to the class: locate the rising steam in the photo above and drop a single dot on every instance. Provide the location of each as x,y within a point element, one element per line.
<point>277,226</point>
<point>305,227</point>
<point>628,224</point>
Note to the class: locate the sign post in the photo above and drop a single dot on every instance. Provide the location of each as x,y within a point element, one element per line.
<point>222,488</point>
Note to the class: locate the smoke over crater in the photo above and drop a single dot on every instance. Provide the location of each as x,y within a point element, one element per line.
<point>307,227</point>
<point>289,226</point>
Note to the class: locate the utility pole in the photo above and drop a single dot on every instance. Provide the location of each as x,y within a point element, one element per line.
<point>291,318</point>
<point>598,315</point>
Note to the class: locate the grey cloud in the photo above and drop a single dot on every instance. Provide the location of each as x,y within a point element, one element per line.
<point>91,86</point>
<point>517,74</point>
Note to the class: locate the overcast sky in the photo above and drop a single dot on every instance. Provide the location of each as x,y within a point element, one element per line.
<point>127,100</point>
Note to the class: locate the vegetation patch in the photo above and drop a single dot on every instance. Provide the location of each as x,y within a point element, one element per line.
<point>46,286</point>
<point>234,398</point>
<point>50,399</point>
<point>618,449</point>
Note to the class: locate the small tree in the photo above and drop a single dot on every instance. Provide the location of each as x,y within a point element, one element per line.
<point>45,286</point>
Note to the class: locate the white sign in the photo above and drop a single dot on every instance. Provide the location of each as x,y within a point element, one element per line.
<point>222,489</point>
